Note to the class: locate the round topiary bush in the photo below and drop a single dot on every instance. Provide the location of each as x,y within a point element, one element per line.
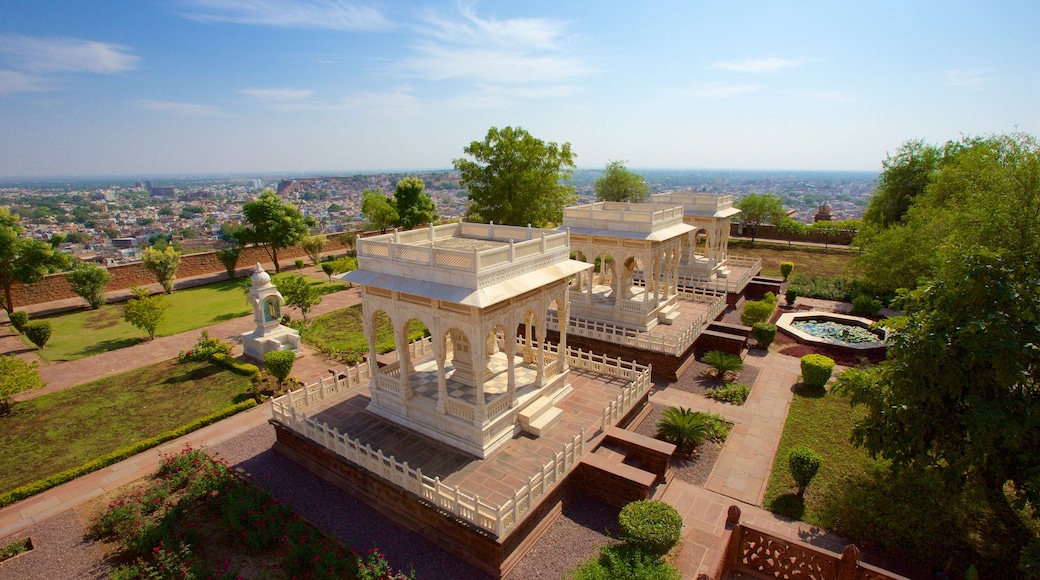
<point>651,525</point>
<point>786,268</point>
<point>816,370</point>
<point>39,332</point>
<point>18,320</point>
<point>756,311</point>
<point>804,463</point>
<point>791,295</point>
<point>764,334</point>
<point>279,363</point>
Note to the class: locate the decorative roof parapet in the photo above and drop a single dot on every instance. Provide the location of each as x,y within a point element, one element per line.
<point>702,204</point>
<point>623,216</point>
<point>465,255</point>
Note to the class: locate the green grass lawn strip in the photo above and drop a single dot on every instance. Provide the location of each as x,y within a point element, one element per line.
<point>344,330</point>
<point>85,333</point>
<point>807,259</point>
<point>49,434</point>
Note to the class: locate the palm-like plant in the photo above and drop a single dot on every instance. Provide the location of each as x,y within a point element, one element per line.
<point>723,363</point>
<point>684,427</point>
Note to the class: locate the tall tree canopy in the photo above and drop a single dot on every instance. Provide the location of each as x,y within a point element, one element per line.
<point>274,224</point>
<point>517,179</point>
<point>983,192</point>
<point>414,207</point>
<point>960,391</point>
<point>760,208</point>
<point>619,184</point>
<point>379,210</point>
<point>22,259</point>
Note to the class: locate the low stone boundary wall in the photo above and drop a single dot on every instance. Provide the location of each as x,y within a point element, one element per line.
<point>56,287</point>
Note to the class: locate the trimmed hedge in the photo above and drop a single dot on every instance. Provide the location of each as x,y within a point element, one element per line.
<point>279,363</point>
<point>38,332</point>
<point>651,525</point>
<point>804,463</point>
<point>756,311</point>
<point>18,320</point>
<point>41,485</point>
<point>786,268</point>
<point>864,305</point>
<point>816,370</point>
<point>764,334</point>
<point>234,365</point>
<point>791,295</point>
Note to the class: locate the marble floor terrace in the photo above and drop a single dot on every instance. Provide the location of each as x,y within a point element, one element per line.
<point>494,479</point>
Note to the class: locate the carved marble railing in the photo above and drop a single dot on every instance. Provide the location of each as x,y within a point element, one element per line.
<point>696,202</point>
<point>615,334</point>
<point>325,387</point>
<point>469,507</point>
<point>752,267</point>
<point>758,553</point>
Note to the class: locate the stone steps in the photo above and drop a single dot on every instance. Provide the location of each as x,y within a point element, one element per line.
<point>540,416</point>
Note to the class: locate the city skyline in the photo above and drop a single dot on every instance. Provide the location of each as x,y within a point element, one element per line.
<point>326,86</point>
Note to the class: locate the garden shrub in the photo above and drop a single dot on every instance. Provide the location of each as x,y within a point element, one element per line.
<point>823,286</point>
<point>816,370</point>
<point>786,268</point>
<point>791,295</point>
<point>764,334</point>
<point>279,363</point>
<point>718,425</point>
<point>683,428</point>
<point>204,348</point>
<point>651,525</point>
<point>769,298</point>
<point>18,320</point>
<point>804,463</point>
<point>722,363</point>
<point>736,393</point>
<point>624,562</point>
<point>756,311</point>
<point>300,264</point>
<point>39,332</point>
<point>234,365</point>
<point>864,305</point>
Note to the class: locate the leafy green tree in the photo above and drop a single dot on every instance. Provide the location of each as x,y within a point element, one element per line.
<point>517,179</point>
<point>146,312</point>
<point>88,280</point>
<point>298,292</point>
<point>314,246</point>
<point>619,184</point>
<point>329,269</point>
<point>228,256</point>
<point>163,264</point>
<point>414,207</point>
<point>22,259</point>
<point>790,228</point>
<point>760,208</point>
<point>279,363</point>
<point>17,376</point>
<point>903,178</point>
<point>985,195</point>
<point>347,240</point>
<point>273,224</point>
<point>379,210</point>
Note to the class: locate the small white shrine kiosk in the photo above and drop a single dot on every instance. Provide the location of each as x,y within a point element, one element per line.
<point>473,286</point>
<point>639,247</point>
<point>269,334</point>
<point>706,248</point>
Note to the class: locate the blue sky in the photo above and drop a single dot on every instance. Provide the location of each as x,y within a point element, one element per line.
<point>139,87</point>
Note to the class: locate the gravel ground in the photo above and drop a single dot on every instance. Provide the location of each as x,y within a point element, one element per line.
<point>574,537</point>
<point>60,552</point>
<point>693,470</point>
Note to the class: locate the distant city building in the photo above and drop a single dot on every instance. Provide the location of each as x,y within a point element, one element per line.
<point>823,213</point>
<point>124,243</point>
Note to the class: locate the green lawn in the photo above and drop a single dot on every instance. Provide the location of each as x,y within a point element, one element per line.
<point>915,516</point>
<point>343,330</point>
<point>88,332</point>
<point>807,259</point>
<point>55,432</point>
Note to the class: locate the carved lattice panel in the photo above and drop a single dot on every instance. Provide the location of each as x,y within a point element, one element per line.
<point>779,559</point>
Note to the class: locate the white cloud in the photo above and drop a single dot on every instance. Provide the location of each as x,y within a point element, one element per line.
<point>319,14</point>
<point>713,90</point>
<point>15,82</point>
<point>278,95</point>
<point>500,96</point>
<point>833,96</point>
<point>47,55</point>
<point>514,51</point>
<point>760,65</point>
<point>182,109</point>
<point>965,78</point>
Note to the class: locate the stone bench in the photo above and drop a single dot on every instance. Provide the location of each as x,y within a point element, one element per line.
<point>608,480</point>
<point>646,453</point>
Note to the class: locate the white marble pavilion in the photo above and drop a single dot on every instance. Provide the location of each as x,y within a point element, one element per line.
<point>706,260</point>
<point>474,286</point>
<point>639,247</point>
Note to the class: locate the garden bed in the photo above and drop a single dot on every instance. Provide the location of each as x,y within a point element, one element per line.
<point>699,377</point>
<point>693,470</point>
